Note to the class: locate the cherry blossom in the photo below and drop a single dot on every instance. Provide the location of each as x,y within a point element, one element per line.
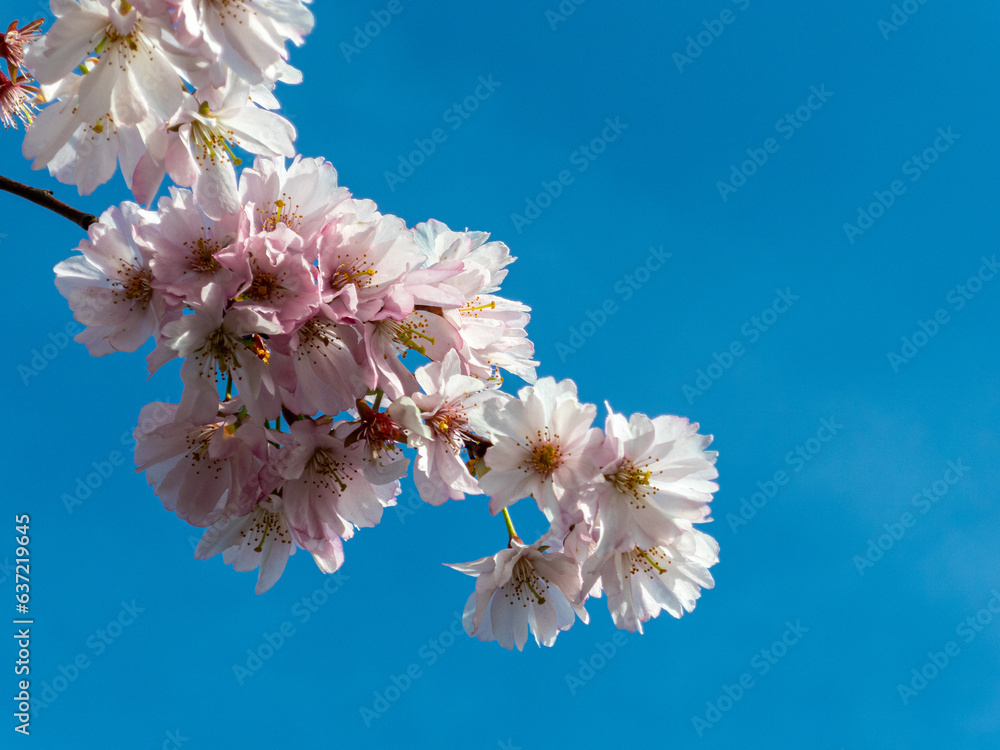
<point>642,582</point>
<point>328,487</point>
<point>13,41</point>
<point>201,472</point>
<point>541,448</point>
<point>281,284</point>
<point>448,417</point>
<point>656,473</point>
<point>184,246</point>
<point>247,36</point>
<point>131,73</point>
<point>260,540</point>
<point>304,195</point>
<point>330,370</point>
<point>109,286</point>
<point>196,147</point>
<point>522,588</point>
<point>16,99</point>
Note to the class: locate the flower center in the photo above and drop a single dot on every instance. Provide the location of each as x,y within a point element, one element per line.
<point>134,282</point>
<point>448,423</point>
<point>345,274</point>
<point>219,350</point>
<point>212,141</point>
<point>318,333</point>
<point>526,585</point>
<point>325,464</point>
<point>265,522</point>
<point>265,286</point>
<point>628,479</point>
<point>546,458</point>
<point>202,256</point>
<point>407,333</point>
<point>651,562</point>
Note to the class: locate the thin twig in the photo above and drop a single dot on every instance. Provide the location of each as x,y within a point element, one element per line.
<point>44,199</point>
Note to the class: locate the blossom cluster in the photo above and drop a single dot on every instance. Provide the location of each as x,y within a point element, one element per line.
<point>17,93</point>
<point>304,306</point>
<point>164,87</point>
<point>327,348</point>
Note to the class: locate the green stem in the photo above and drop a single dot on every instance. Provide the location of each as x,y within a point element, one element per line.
<point>229,387</point>
<point>510,525</point>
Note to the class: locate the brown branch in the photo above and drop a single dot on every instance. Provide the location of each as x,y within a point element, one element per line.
<point>44,199</point>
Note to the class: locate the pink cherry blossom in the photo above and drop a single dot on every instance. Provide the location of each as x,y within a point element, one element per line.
<point>522,588</point>
<point>14,40</point>
<point>363,257</point>
<point>492,328</point>
<point>247,36</point>
<point>655,473</point>
<point>203,472</point>
<point>328,487</point>
<point>641,582</point>
<point>484,263</point>
<point>541,447</point>
<point>185,244</point>
<point>214,340</point>
<point>330,370</point>
<point>282,284</point>
<point>260,540</point>
<point>195,146</point>
<point>109,286</point>
<point>450,411</point>
<point>304,196</point>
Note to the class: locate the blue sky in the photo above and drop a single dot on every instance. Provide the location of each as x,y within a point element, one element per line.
<point>770,323</point>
